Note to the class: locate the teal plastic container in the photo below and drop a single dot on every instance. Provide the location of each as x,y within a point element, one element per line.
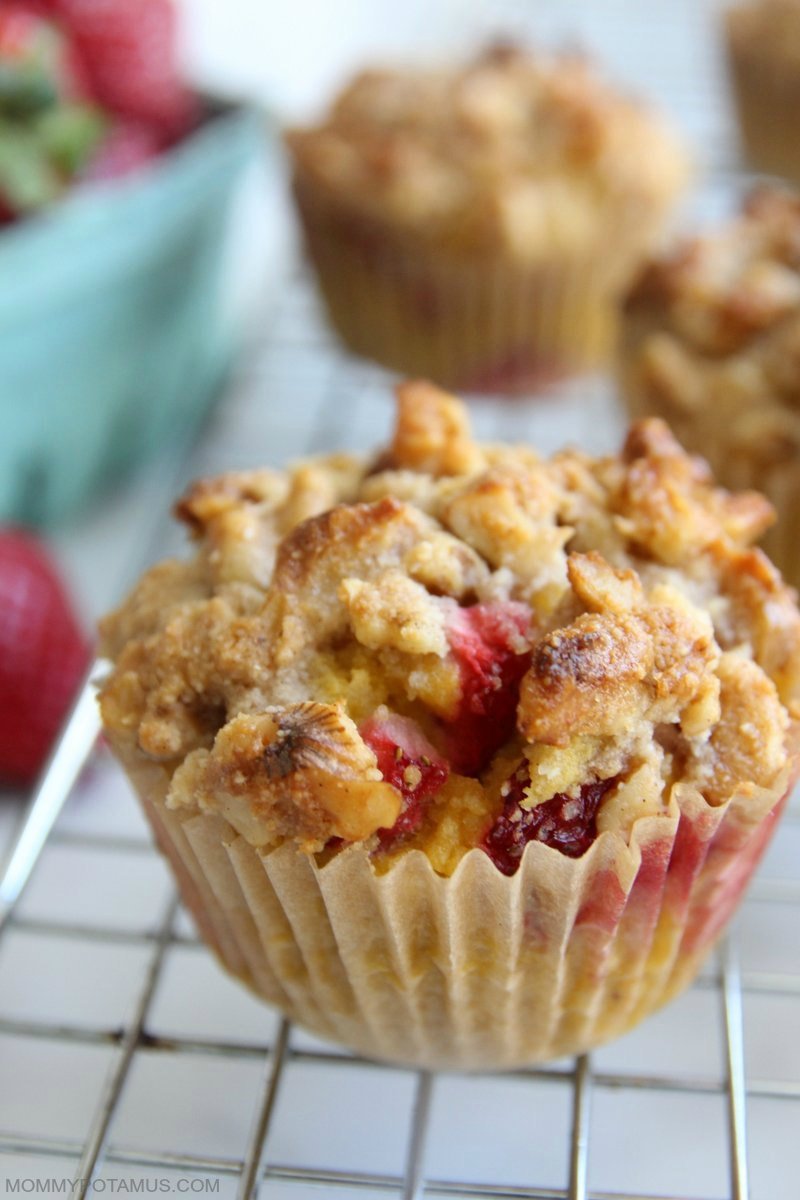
<point>112,338</point>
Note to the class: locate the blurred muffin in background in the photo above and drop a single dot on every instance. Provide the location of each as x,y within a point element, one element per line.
<point>763,46</point>
<point>711,342</point>
<point>476,224</point>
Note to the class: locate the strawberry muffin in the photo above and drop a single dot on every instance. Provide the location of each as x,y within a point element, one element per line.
<point>462,757</point>
<point>711,343</point>
<point>476,224</point>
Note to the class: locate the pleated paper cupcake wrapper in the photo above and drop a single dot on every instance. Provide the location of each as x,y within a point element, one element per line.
<point>766,93</point>
<point>479,970</point>
<point>486,324</point>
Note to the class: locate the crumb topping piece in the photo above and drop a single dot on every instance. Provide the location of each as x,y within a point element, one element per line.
<point>302,770</point>
<point>712,335</point>
<point>509,649</point>
<point>432,435</point>
<point>609,670</point>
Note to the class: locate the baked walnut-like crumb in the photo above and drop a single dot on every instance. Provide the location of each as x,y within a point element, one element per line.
<point>712,344</point>
<point>721,292</point>
<point>413,649</point>
<point>515,152</point>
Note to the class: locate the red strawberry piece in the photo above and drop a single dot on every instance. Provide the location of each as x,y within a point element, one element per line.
<point>129,48</point>
<point>518,372</point>
<point>567,823</point>
<point>488,641</point>
<point>407,761</point>
<point>31,42</point>
<point>127,147</point>
<point>22,24</point>
<point>43,655</point>
<point>18,26</point>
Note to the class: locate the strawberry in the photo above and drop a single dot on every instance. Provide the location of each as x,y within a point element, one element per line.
<point>127,146</point>
<point>19,24</point>
<point>567,823</point>
<point>39,65</point>
<point>47,128</point>
<point>408,761</point>
<point>42,655</point>
<point>130,53</point>
<point>489,644</point>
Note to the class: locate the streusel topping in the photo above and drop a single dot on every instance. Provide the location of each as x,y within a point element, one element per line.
<point>511,152</point>
<point>417,649</point>
<point>713,330</point>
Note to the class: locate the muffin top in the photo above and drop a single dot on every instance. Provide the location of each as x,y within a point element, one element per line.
<point>512,151</point>
<point>448,645</point>
<point>720,316</point>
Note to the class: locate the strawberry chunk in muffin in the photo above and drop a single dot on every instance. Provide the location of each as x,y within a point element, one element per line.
<point>490,647</point>
<point>408,761</point>
<point>567,823</point>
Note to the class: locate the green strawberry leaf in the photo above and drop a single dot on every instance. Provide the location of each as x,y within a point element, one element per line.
<point>24,90</point>
<point>28,179</point>
<point>69,135</point>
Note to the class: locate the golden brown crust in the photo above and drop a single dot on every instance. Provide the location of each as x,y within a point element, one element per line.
<point>657,499</point>
<point>300,772</point>
<point>649,624</point>
<point>514,152</point>
<point>719,292</point>
<point>432,434</point>
<point>628,660</point>
<point>711,342</point>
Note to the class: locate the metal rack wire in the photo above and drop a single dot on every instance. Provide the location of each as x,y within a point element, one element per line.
<point>100,907</point>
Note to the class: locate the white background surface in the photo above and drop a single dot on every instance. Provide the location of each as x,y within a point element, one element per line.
<point>294,391</point>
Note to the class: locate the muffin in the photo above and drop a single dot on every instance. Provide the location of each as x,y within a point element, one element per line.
<point>462,757</point>
<point>711,343</point>
<point>763,48</point>
<point>475,225</point>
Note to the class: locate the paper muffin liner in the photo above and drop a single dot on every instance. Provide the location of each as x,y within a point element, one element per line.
<point>485,323</point>
<point>766,94</point>
<point>478,970</point>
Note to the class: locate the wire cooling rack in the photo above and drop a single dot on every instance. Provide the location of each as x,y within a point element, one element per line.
<point>130,1062</point>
